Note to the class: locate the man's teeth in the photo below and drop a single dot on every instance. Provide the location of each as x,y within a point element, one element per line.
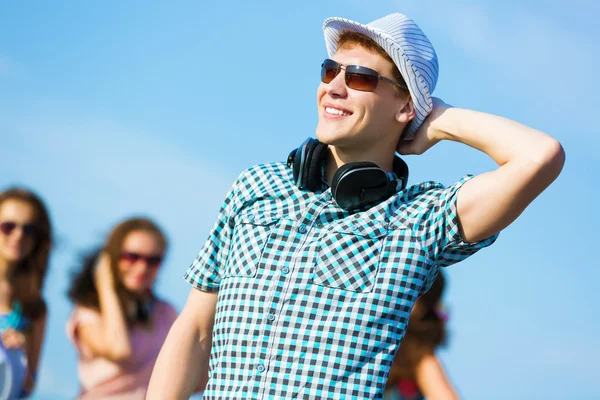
<point>335,111</point>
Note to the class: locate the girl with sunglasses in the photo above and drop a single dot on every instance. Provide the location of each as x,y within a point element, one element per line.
<point>25,243</point>
<point>416,372</point>
<point>118,325</point>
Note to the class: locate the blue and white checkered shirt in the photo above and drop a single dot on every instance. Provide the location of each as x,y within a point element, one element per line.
<point>313,300</point>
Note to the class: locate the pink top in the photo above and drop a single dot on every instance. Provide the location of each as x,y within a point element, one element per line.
<point>126,380</point>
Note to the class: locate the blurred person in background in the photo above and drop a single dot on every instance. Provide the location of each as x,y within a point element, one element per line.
<point>25,244</point>
<point>416,372</point>
<point>118,325</point>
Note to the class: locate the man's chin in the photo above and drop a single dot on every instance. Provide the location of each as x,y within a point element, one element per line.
<point>331,138</point>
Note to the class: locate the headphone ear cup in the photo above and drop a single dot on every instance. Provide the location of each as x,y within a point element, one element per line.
<point>341,171</point>
<point>359,184</point>
<point>313,171</point>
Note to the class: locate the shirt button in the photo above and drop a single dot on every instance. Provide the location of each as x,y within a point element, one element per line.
<point>251,218</point>
<point>285,270</point>
<point>260,368</point>
<point>302,228</point>
<point>327,197</point>
<point>231,222</point>
<point>271,317</point>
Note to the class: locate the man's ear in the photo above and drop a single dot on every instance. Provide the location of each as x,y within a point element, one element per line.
<point>406,112</point>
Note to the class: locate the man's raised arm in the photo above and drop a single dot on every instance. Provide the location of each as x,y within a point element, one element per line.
<point>529,161</point>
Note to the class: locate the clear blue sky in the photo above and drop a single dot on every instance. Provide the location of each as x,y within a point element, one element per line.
<point>110,109</point>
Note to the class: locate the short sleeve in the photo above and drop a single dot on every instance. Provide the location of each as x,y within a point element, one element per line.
<point>440,229</point>
<point>81,316</point>
<point>206,270</point>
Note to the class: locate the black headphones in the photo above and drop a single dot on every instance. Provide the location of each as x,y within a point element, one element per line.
<point>355,186</point>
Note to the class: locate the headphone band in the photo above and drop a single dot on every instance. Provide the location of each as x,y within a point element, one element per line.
<point>355,186</point>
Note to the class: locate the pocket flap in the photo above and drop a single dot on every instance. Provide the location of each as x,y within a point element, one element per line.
<point>360,227</point>
<point>257,218</point>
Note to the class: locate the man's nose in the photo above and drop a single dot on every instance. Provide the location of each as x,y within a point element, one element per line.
<point>337,87</point>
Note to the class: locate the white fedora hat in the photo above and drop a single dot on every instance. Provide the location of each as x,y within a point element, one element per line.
<point>410,49</point>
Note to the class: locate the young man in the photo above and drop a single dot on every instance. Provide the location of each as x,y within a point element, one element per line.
<point>305,285</point>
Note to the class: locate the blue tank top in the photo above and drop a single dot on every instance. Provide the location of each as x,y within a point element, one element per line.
<point>14,319</point>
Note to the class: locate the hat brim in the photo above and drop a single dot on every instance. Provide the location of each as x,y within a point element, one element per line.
<point>334,27</point>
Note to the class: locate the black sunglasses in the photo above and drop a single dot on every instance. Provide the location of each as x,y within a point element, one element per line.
<point>357,77</point>
<point>8,227</point>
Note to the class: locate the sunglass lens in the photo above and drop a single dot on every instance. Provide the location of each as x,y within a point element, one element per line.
<point>7,227</point>
<point>154,261</point>
<point>361,81</point>
<point>29,230</point>
<point>130,257</point>
<point>329,70</point>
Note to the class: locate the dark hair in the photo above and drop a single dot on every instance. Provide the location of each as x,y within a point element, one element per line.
<point>83,287</point>
<point>349,39</point>
<point>30,274</point>
<point>426,331</point>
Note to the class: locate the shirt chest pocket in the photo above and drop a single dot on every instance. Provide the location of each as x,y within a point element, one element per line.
<point>348,257</point>
<point>250,235</point>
